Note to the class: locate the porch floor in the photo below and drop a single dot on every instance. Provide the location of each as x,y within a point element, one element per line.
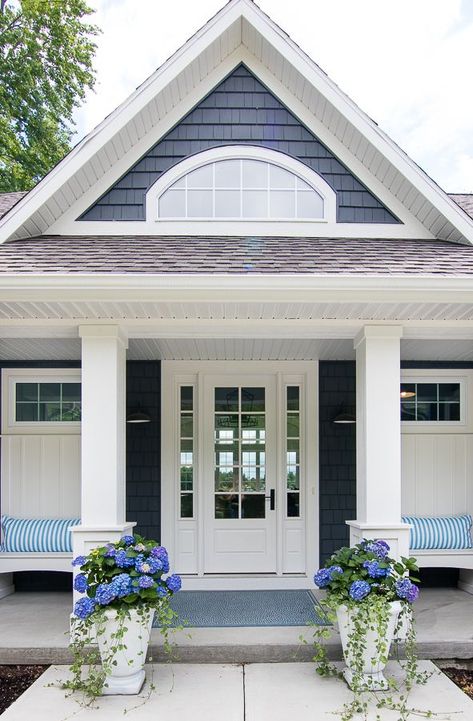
<point>34,629</point>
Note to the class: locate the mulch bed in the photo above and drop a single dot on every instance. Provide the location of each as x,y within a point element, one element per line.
<point>461,677</point>
<point>14,680</point>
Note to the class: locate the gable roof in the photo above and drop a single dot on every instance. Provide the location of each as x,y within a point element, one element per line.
<point>240,32</point>
<point>8,200</point>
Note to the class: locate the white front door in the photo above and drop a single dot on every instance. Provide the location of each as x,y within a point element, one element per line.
<point>239,474</point>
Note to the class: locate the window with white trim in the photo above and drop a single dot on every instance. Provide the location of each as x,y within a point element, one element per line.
<point>241,188</point>
<point>431,402</point>
<point>234,184</point>
<point>47,402</point>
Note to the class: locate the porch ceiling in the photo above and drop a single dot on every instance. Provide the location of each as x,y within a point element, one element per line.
<point>68,349</point>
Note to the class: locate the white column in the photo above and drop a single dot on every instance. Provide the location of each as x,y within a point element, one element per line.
<point>103,441</point>
<point>378,438</point>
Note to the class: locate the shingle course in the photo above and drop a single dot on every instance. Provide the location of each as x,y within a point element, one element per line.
<point>234,255</point>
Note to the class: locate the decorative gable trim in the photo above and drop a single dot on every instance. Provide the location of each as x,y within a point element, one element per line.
<point>240,32</point>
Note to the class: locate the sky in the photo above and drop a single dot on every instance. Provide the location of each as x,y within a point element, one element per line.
<point>406,63</point>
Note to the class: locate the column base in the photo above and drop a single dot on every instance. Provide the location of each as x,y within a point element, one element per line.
<point>6,584</point>
<point>395,535</point>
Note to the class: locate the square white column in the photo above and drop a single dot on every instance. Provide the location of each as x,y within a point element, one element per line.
<point>103,439</point>
<point>378,438</point>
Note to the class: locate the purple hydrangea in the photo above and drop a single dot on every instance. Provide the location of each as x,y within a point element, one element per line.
<point>160,553</point>
<point>374,569</point>
<point>359,589</point>
<point>128,540</point>
<point>148,565</point>
<point>334,571</point>
<point>80,583</point>
<point>105,593</point>
<point>145,582</point>
<point>84,607</point>
<point>174,583</point>
<point>122,560</point>
<point>379,548</point>
<point>322,577</point>
<point>122,585</point>
<point>111,551</point>
<point>407,590</point>
<point>79,561</point>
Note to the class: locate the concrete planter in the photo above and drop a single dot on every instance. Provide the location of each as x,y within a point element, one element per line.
<point>127,674</point>
<point>373,667</point>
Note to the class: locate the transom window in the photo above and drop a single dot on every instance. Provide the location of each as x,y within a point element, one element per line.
<point>47,402</point>
<point>241,188</point>
<point>430,402</point>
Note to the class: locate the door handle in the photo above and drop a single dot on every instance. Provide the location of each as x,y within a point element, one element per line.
<point>272,499</point>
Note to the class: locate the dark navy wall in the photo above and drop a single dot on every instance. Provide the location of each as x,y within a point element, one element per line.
<point>239,111</point>
<point>143,448</point>
<point>337,455</point>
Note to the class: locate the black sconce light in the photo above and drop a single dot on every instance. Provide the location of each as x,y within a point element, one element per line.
<point>344,416</point>
<point>138,415</point>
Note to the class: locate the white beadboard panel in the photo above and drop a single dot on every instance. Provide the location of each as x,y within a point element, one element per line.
<point>294,548</point>
<point>437,474</point>
<point>41,476</point>
<point>186,551</point>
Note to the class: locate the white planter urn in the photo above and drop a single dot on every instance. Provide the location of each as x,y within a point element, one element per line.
<point>126,674</point>
<point>372,672</point>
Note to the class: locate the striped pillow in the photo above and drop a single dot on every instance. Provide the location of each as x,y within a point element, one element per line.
<point>37,535</point>
<point>441,532</point>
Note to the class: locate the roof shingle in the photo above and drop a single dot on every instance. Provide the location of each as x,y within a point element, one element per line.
<point>233,255</point>
<point>8,200</point>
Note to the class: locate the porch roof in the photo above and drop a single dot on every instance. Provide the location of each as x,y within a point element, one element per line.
<point>235,255</point>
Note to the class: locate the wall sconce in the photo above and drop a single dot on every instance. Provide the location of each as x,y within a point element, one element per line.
<point>344,416</point>
<point>138,415</point>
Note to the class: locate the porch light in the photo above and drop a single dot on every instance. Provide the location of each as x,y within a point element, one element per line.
<point>138,416</point>
<point>344,416</point>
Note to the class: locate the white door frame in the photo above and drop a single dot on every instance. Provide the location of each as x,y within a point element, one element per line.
<point>184,538</point>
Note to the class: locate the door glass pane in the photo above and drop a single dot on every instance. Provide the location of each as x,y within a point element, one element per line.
<point>293,398</point>
<point>187,505</point>
<point>293,505</point>
<point>240,459</point>
<point>292,425</point>
<point>252,506</point>
<point>187,425</point>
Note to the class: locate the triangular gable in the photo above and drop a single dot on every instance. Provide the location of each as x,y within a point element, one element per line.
<point>240,32</point>
<point>239,111</point>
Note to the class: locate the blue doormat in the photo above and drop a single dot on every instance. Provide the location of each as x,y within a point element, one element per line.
<point>247,608</point>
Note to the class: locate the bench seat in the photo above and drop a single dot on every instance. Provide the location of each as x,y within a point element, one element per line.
<point>28,561</point>
<point>443,557</point>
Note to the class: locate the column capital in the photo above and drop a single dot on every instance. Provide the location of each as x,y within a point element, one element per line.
<point>385,332</point>
<point>104,332</point>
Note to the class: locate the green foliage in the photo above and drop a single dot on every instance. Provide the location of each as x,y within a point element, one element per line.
<point>46,54</point>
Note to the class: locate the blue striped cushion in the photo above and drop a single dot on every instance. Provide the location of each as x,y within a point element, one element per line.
<point>37,535</point>
<point>440,532</point>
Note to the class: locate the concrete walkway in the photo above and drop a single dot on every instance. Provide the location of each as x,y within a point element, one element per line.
<point>212,692</point>
<point>34,629</point>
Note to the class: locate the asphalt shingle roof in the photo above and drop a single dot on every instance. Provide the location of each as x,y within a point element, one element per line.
<point>8,200</point>
<point>231,255</point>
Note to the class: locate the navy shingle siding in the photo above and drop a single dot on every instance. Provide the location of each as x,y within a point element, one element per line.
<point>239,111</point>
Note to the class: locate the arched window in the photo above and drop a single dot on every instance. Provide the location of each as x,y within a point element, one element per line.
<point>239,184</point>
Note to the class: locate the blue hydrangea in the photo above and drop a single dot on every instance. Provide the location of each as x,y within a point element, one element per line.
<point>407,590</point>
<point>111,551</point>
<point>174,583</point>
<point>122,585</point>
<point>379,548</point>
<point>128,540</point>
<point>84,607</point>
<point>161,553</point>
<point>161,591</point>
<point>122,560</point>
<point>145,582</point>
<point>374,569</point>
<point>105,593</point>
<point>322,577</point>
<point>140,547</point>
<point>359,589</point>
<point>148,565</point>
<point>334,571</point>
<point>80,583</point>
<point>79,561</point>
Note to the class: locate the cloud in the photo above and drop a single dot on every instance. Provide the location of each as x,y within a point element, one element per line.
<point>405,63</point>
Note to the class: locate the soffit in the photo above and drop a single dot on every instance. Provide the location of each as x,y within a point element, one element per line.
<point>238,30</point>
